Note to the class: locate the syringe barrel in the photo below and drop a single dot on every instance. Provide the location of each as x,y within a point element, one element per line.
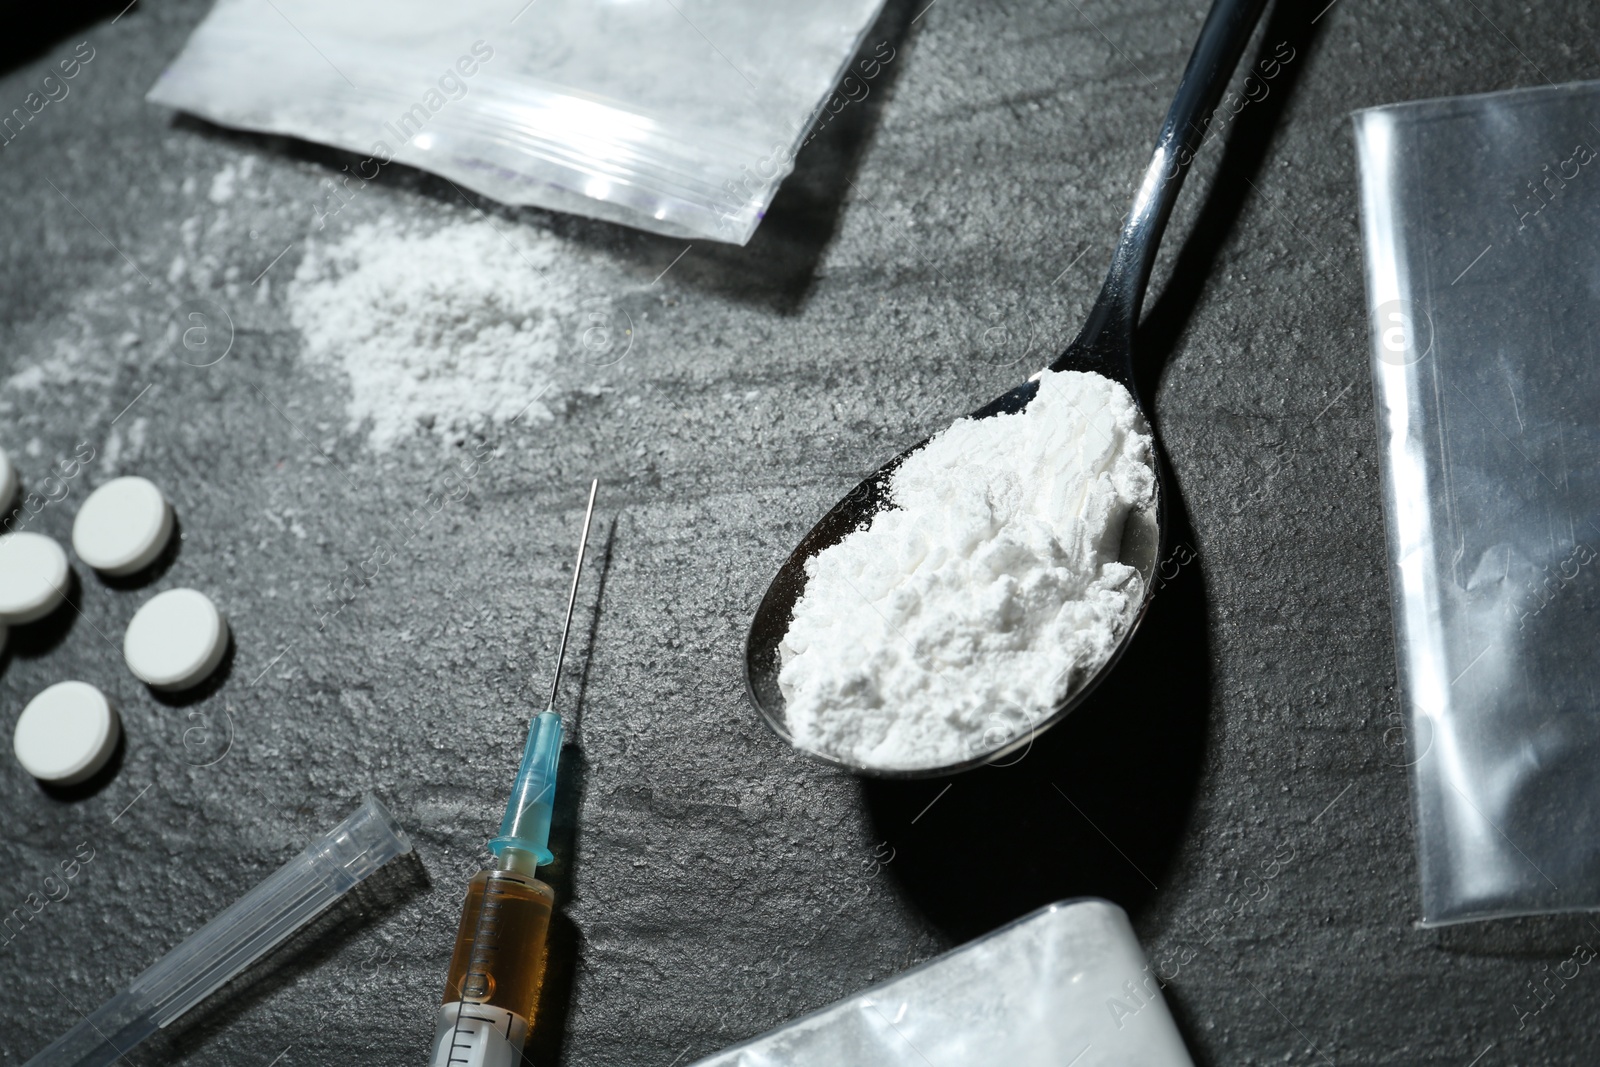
<point>491,996</point>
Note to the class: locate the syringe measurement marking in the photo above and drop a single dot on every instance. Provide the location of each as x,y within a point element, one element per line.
<point>485,939</point>
<point>477,965</point>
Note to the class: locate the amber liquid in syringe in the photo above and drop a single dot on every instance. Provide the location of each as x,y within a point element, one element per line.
<point>497,968</point>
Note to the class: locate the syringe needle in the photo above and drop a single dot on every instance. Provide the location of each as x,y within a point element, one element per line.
<point>572,597</point>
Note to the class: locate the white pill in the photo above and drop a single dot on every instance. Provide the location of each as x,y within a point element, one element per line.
<point>33,577</point>
<point>175,640</point>
<point>8,481</point>
<point>122,527</point>
<point>66,733</point>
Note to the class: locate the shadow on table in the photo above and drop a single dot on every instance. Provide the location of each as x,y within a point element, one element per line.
<point>95,783</point>
<point>564,944</point>
<point>33,640</point>
<point>1161,331</point>
<point>35,30</point>
<point>1534,938</point>
<point>1246,137</point>
<point>778,267</point>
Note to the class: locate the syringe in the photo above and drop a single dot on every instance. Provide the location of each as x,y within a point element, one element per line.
<point>497,969</point>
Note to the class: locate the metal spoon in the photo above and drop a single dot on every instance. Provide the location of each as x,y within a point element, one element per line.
<point>1104,346</point>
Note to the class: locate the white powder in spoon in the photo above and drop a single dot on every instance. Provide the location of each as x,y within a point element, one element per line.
<point>966,611</point>
<point>440,332</point>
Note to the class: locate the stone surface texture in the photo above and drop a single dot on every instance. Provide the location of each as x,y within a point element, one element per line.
<point>1236,785</point>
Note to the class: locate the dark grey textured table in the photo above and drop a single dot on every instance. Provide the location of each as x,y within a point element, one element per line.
<point>715,884</point>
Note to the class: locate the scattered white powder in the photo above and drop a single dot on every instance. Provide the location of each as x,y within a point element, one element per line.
<point>224,182</point>
<point>76,353</point>
<point>966,611</point>
<point>119,454</point>
<point>447,331</point>
<point>222,185</point>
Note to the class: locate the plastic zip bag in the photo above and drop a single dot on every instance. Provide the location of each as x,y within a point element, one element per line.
<point>1064,985</point>
<point>678,116</point>
<point>1483,278</point>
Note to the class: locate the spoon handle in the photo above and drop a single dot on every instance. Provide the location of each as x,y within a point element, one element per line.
<point>1107,335</point>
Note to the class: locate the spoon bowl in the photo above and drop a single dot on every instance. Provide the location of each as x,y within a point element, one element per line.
<point>1141,548</point>
<point>1105,346</point>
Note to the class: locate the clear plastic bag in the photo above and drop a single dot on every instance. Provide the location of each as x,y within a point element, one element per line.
<point>679,117</point>
<point>1483,277</point>
<point>1067,984</point>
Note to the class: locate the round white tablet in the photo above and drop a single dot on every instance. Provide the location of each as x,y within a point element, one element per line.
<point>8,482</point>
<point>33,577</point>
<point>66,733</point>
<point>122,527</point>
<point>175,640</point>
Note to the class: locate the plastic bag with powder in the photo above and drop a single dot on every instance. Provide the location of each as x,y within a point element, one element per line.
<point>676,116</point>
<point>1066,986</point>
